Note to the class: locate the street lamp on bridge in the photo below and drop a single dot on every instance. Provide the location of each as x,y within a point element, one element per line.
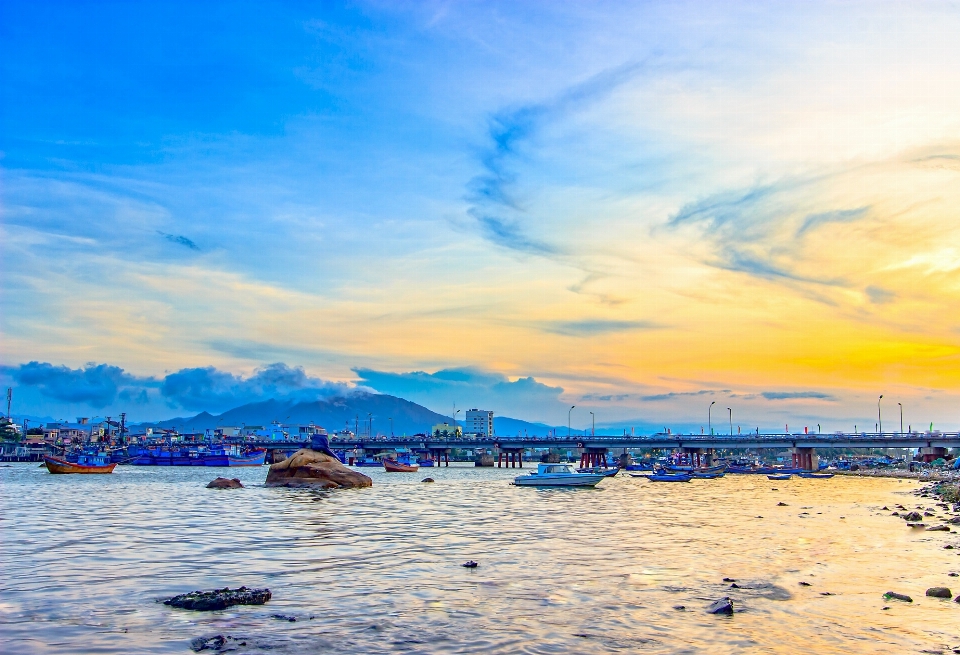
<point>709,418</point>
<point>730,412</point>
<point>879,418</point>
<point>901,417</point>
<point>593,424</point>
<point>569,411</point>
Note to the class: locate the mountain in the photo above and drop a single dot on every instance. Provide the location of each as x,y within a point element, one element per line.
<point>342,412</point>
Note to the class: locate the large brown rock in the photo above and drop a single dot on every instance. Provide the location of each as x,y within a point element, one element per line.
<point>313,469</point>
<point>225,483</point>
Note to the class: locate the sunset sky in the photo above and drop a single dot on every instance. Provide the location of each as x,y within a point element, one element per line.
<point>633,208</point>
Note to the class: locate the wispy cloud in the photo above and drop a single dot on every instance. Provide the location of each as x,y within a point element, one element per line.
<point>797,395</point>
<point>494,204</point>
<point>594,327</point>
<point>682,394</point>
<point>179,239</point>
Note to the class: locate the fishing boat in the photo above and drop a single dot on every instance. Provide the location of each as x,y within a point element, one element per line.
<point>700,475</point>
<point>393,466</point>
<point>816,476</point>
<point>605,472</point>
<point>232,455</point>
<point>86,463</point>
<point>669,477</point>
<point>780,476</point>
<point>558,475</point>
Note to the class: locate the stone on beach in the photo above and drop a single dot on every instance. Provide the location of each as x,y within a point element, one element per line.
<point>912,517</point>
<point>219,599</point>
<point>312,469</point>
<point>722,606</point>
<point>892,595</point>
<point>225,483</point>
<point>939,592</point>
<point>938,528</point>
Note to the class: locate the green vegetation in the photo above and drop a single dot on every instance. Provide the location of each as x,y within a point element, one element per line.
<point>949,492</point>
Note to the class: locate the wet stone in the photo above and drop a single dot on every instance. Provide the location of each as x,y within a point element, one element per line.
<point>218,599</point>
<point>892,595</point>
<point>722,606</point>
<point>939,592</point>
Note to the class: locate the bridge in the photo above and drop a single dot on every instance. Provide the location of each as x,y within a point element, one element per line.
<point>701,448</point>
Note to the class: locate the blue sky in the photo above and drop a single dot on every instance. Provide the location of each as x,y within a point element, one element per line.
<point>630,203</point>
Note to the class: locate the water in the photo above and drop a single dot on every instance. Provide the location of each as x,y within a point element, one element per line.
<point>83,560</point>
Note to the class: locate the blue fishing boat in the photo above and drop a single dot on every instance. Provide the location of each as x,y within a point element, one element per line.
<point>816,476</point>
<point>780,476</point>
<point>599,470</point>
<point>699,475</point>
<point>668,477</point>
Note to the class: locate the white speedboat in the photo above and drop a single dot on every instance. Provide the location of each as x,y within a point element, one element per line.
<point>558,475</point>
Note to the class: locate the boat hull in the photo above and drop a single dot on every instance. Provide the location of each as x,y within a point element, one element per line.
<point>58,465</point>
<point>669,478</point>
<point>785,476</point>
<point>581,480</point>
<point>397,467</point>
<point>815,476</point>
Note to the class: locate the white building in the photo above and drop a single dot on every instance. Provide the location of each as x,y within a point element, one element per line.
<point>479,421</point>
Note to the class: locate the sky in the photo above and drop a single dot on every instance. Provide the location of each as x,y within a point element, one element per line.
<point>637,209</point>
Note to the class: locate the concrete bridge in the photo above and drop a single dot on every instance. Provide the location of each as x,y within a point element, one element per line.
<point>930,445</point>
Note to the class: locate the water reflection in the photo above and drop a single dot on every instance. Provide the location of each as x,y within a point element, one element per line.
<point>85,558</point>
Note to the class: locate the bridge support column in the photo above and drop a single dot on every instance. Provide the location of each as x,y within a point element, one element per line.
<point>930,454</point>
<point>806,459</point>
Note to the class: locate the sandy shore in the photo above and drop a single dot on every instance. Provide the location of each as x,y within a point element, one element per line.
<point>923,476</point>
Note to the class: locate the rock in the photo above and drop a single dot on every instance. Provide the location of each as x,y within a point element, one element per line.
<point>729,580</point>
<point>954,521</point>
<point>827,593</point>
<point>929,514</point>
<point>428,480</point>
<point>939,592</point>
<point>913,516</point>
<point>284,617</point>
<point>680,608</point>
<point>885,508</point>
<point>219,599</point>
<point>470,565</point>
<point>916,525</point>
<point>938,528</point>
<point>313,469</point>
<point>734,586</point>
<point>225,483</point>
<point>892,595</point>
<point>895,514</point>
<point>781,504</point>
<point>208,643</point>
<point>948,547</point>
<point>804,584</point>
<point>722,606</point>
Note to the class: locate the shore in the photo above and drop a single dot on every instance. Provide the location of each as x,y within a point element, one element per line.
<point>923,476</point>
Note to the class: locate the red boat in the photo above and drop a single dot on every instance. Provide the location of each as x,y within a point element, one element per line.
<point>393,466</point>
<point>84,464</point>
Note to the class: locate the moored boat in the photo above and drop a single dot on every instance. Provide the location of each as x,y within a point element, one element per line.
<point>557,475</point>
<point>393,466</point>
<point>699,475</point>
<point>815,476</point>
<point>599,470</point>
<point>780,476</point>
<point>86,463</point>
<point>668,477</point>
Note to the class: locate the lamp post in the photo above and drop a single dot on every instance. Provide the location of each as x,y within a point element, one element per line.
<point>370,425</point>
<point>593,425</point>
<point>709,417</point>
<point>730,412</point>
<point>879,418</point>
<point>391,427</point>
<point>569,411</point>
<point>901,418</point>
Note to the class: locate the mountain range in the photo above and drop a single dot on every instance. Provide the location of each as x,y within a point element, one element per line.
<point>353,412</point>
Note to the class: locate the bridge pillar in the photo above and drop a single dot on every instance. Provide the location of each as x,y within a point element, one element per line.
<point>806,459</point>
<point>930,454</point>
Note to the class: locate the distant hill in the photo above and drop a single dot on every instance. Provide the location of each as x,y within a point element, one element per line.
<point>342,412</point>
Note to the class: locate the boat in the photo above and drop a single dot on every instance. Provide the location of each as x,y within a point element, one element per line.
<point>701,475</point>
<point>86,463</point>
<point>233,456</point>
<point>605,472</point>
<point>780,476</point>
<point>558,475</point>
<point>425,461</point>
<point>816,476</point>
<point>393,466</point>
<point>668,477</point>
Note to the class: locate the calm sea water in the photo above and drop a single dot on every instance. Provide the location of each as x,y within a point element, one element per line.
<point>83,560</point>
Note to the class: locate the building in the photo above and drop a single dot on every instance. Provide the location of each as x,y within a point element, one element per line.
<point>479,421</point>
<point>447,431</point>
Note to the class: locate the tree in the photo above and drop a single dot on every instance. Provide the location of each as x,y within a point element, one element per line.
<point>8,431</point>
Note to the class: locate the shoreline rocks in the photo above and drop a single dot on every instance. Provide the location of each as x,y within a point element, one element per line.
<point>218,599</point>
<point>722,606</point>
<point>312,469</point>
<point>939,592</point>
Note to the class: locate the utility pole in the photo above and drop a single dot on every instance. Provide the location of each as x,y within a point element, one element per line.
<point>709,417</point>
<point>568,419</point>
<point>9,400</point>
<point>730,411</point>
<point>879,418</point>
<point>901,418</point>
<point>593,421</point>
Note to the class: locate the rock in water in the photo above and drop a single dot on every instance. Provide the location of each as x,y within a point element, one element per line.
<point>938,528</point>
<point>312,469</point>
<point>939,592</point>
<point>722,606</point>
<point>219,599</point>
<point>427,480</point>
<point>224,483</point>
<point>912,517</point>
<point>892,595</point>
